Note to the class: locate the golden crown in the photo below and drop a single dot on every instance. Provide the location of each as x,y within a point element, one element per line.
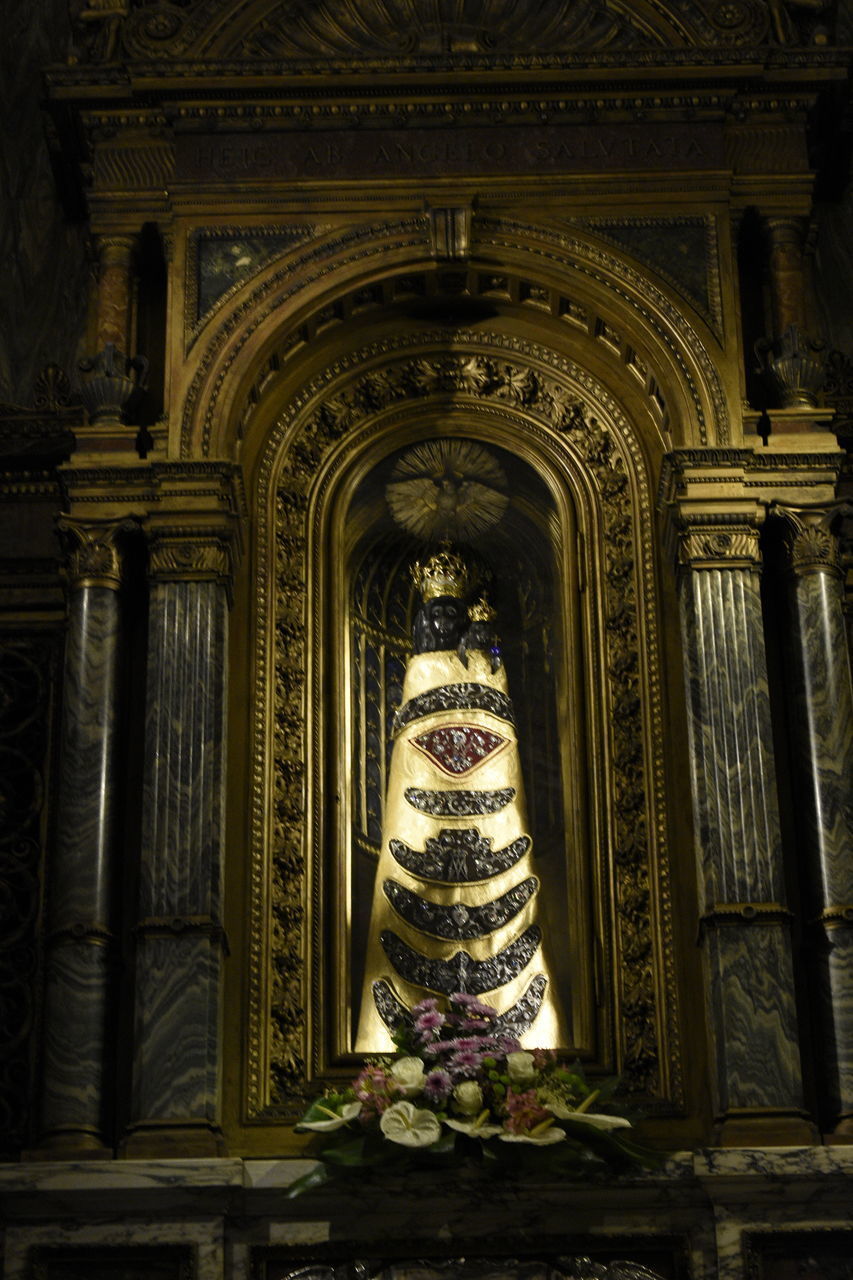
<point>444,574</point>
<point>481,611</point>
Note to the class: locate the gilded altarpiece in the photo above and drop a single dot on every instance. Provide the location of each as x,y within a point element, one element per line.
<point>322,693</point>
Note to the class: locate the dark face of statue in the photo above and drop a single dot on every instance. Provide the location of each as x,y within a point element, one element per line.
<point>439,624</point>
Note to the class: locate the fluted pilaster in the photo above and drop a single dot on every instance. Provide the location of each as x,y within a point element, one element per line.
<point>745,926</point>
<point>820,697</point>
<point>78,987</point>
<point>180,939</point>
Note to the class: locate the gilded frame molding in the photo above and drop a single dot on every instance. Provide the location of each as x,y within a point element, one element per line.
<point>567,417</point>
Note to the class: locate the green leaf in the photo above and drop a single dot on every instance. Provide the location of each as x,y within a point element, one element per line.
<point>317,1177</point>
<point>347,1153</point>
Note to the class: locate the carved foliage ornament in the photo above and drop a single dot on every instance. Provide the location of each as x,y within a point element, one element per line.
<point>94,556</point>
<point>401,30</point>
<point>712,548</point>
<point>503,383</point>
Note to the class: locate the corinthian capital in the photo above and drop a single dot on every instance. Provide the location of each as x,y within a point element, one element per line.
<point>94,554</point>
<point>811,540</point>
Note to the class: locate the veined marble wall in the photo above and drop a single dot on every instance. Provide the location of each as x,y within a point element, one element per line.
<point>709,1215</point>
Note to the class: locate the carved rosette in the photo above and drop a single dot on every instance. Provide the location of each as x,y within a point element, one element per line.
<point>178,556</point>
<point>719,546</point>
<point>494,378</point>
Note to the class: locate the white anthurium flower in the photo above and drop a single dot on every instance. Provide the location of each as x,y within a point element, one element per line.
<point>410,1126</point>
<point>408,1074</point>
<point>473,1129</point>
<point>596,1119</point>
<point>545,1138</point>
<point>468,1097</point>
<point>520,1068</point>
<point>335,1120</point>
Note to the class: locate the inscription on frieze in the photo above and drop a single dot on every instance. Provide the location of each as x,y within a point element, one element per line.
<point>389,153</point>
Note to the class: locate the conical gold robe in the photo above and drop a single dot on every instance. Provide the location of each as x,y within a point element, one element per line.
<point>456,894</point>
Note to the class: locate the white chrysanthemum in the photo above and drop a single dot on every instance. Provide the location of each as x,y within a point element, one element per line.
<point>410,1126</point>
<point>474,1130</point>
<point>335,1119</point>
<point>408,1074</point>
<point>544,1139</point>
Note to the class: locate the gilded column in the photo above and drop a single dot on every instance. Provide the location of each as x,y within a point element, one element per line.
<point>785,259</point>
<point>793,364</point>
<point>112,378</point>
<point>744,923</point>
<point>179,936</point>
<point>820,696</point>
<point>115,267</point>
<point>78,984</point>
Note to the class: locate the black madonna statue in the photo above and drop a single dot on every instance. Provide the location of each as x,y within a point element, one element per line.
<point>455,905</point>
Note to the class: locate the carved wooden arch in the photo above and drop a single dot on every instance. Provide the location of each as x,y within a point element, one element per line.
<point>510,391</point>
<point>260,335</point>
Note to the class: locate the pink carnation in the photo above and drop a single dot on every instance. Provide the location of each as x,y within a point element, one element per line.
<point>524,1111</point>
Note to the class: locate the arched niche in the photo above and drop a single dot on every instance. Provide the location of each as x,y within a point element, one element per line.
<point>314,498</point>
<point>299,312</point>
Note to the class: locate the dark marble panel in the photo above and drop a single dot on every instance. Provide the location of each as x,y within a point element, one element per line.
<point>754,1016</point>
<point>45,269</point>
<point>677,247</point>
<point>78,975</point>
<point>176,1053</point>
<point>832,992</point>
<point>28,669</point>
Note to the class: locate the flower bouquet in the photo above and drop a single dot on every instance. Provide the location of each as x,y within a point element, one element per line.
<point>461,1089</point>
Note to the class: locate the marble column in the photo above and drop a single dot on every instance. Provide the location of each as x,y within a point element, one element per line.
<point>80,959</point>
<point>820,694</point>
<point>745,926</point>
<point>179,936</point>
